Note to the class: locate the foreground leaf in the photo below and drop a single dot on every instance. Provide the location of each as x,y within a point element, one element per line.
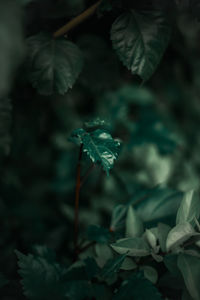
<point>140,39</point>
<point>41,279</point>
<point>137,288</point>
<point>99,145</point>
<point>53,64</point>
<point>190,269</point>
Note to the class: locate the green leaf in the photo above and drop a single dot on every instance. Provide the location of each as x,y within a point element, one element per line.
<point>179,234</point>
<point>99,146</point>
<point>98,234</point>
<point>132,247</point>
<point>11,43</point>
<point>112,266</point>
<point>53,64</point>
<point>150,273</point>
<point>137,288</point>
<point>134,225</point>
<point>163,231</point>
<point>140,39</point>
<point>190,269</point>
<point>128,264</point>
<point>151,238</point>
<point>118,216</point>
<point>189,208</point>
<point>41,279</point>
<point>103,253</point>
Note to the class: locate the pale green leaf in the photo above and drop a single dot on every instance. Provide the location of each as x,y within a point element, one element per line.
<point>189,208</point>
<point>190,269</point>
<point>132,247</point>
<point>151,238</point>
<point>140,39</point>
<point>53,64</point>
<point>179,234</point>
<point>128,264</point>
<point>163,231</point>
<point>134,225</point>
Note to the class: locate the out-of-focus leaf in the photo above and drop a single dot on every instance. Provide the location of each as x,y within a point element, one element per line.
<point>190,269</point>
<point>163,231</point>
<point>11,43</point>
<point>53,64</point>
<point>179,234</point>
<point>140,39</point>
<point>41,279</point>
<point>3,280</point>
<point>112,266</point>
<point>150,273</point>
<point>189,208</point>
<point>134,225</point>
<point>128,264</point>
<point>137,288</point>
<point>5,125</point>
<point>132,247</point>
<point>98,234</point>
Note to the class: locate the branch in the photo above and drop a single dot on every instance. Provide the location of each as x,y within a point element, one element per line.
<point>77,20</point>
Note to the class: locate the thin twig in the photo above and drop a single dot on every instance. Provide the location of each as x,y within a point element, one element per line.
<point>85,177</point>
<point>77,20</point>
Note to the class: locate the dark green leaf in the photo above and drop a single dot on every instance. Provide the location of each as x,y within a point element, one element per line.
<point>99,145</point>
<point>5,125</point>
<point>163,231</point>
<point>53,64</point>
<point>112,266</point>
<point>98,234</point>
<point>41,279</point>
<point>140,39</point>
<point>3,280</point>
<point>137,288</point>
<point>11,43</point>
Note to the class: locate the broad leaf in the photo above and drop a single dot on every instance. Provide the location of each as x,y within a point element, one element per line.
<point>137,288</point>
<point>179,234</point>
<point>41,279</point>
<point>118,216</point>
<point>134,225</point>
<point>128,264</point>
<point>53,64</point>
<point>140,39</point>
<point>99,146</point>
<point>112,266</point>
<point>150,273</point>
<point>132,247</point>
<point>11,43</point>
<point>190,269</point>
<point>189,208</point>
<point>151,238</point>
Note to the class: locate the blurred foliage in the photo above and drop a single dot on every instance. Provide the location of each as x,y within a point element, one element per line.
<point>139,226</point>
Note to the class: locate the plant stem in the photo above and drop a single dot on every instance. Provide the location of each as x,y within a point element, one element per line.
<point>77,20</point>
<point>76,210</point>
<point>84,178</point>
